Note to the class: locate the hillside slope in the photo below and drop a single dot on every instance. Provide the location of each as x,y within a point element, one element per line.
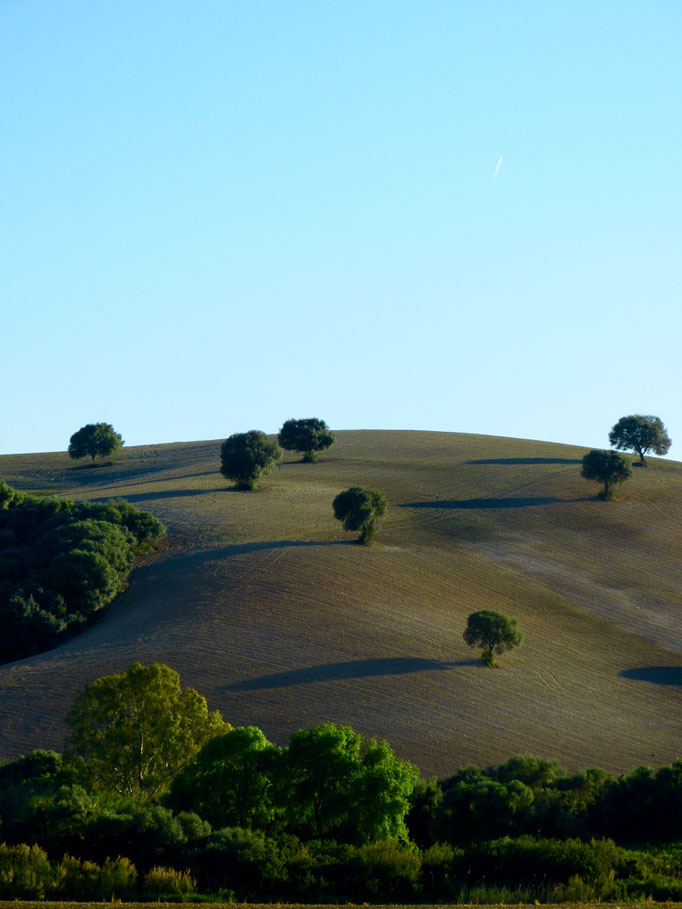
<point>261,602</point>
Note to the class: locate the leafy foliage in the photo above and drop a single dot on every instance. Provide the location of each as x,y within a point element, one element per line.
<point>229,783</point>
<point>246,456</point>
<point>306,435</point>
<point>95,439</point>
<point>607,468</point>
<point>360,509</point>
<point>495,631</point>
<point>136,730</point>
<point>342,786</point>
<point>640,433</point>
<point>61,563</point>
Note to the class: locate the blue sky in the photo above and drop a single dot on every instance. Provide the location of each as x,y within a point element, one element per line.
<point>217,216</point>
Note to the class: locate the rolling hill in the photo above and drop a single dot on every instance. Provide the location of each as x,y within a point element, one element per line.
<point>263,604</point>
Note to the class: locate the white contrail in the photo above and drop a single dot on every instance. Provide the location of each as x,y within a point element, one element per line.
<point>497,169</point>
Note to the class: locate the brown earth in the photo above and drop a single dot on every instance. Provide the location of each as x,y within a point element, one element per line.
<point>264,605</point>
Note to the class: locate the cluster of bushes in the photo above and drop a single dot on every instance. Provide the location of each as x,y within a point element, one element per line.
<point>531,795</point>
<point>326,819</point>
<point>240,863</point>
<point>60,563</point>
<point>26,873</point>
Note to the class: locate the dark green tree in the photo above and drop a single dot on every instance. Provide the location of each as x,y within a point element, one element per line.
<point>335,784</point>
<point>307,436</point>
<point>494,631</point>
<point>95,439</point>
<point>229,783</point>
<point>360,509</point>
<point>608,468</point>
<point>246,456</point>
<point>136,730</point>
<point>640,433</point>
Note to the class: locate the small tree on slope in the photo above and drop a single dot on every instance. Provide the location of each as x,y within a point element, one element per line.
<point>640,433</point>
<point>95,439</point>
<point>307,436</point>
<point>494,631</point>
<point>607,468</point>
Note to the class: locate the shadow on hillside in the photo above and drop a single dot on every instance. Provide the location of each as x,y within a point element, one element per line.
<point>234,549</point>
<point>526,461</point>
<point>355,669</point>
<point>524,502</point>
<point>658,675</point>
<point>150,496</point>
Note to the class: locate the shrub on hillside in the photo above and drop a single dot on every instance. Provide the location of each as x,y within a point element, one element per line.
<point>246,456</point>
<point>161,882</point>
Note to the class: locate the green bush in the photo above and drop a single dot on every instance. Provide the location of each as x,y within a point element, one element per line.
<point>160,882</point>
<point>25,872</point>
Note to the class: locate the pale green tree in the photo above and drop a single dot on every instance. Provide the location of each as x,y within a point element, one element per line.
<point>135,730</point>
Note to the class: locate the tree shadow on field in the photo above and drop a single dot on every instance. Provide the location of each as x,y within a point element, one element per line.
<point>658,675</point>
<point>512,461</point>
<point>354,669</point>
<point>228,550</point>
<point>149,496</point>
<point>524,502</point>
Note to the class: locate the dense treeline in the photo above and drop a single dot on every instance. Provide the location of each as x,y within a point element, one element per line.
<point>60,563</point>
<point>336,817</point>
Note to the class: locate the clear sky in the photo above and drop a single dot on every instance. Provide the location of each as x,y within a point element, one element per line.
<point>457,215</point>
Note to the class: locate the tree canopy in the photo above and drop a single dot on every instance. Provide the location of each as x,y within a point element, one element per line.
<point>306,435</point>
<point>135,730</point>
<point>360,509</point>
<point>338,784</point>
<point>640,433</point>
<point>608,468</point>
<point>95,439</point>
<point>229,783</point>
<point>494,631</point>
<point>61,563</point>
<point>246,456</point>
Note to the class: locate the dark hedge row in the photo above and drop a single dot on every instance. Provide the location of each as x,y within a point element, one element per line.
<point>43,801</point>
<point>60,564</point>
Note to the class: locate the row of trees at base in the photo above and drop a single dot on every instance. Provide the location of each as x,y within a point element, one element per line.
<point>331,816</point>
<point>238,864</point>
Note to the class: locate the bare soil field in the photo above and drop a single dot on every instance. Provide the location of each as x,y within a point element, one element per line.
<point>265,605</point>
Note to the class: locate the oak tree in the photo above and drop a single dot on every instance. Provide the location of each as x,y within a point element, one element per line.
<point>95,439</point>
<point>494,631</point>
<point>640,433</point>
<point>608,468</point>
<point>360,509</point>
<point>246,456</point>
<point>307,436</point>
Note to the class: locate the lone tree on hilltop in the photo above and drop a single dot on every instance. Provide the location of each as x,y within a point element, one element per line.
<point>360,509</point>
<point>608,468</point>
<point>246,456</point>
<point>308,436</point>
<point>137,729</point>
<point>95,439</point>
<point>494,631</point>
<point>640,433</point>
